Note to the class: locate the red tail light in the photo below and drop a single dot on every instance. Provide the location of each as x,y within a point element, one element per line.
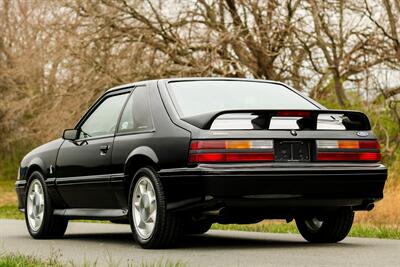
<point>346,156</point>
<point>231,151</point>
<point>231,157</point>
<point>348,150</point>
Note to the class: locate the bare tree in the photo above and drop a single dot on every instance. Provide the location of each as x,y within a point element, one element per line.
<point>56,57</point>
<point>340,46</point>
<point>388,25</point>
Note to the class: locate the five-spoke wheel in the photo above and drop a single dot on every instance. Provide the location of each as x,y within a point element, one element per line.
<point>35,205</point>
<point>39,217</point>
<point>144,208</point>
<point>152,225</point>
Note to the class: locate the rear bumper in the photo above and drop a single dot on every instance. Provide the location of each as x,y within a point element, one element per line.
<point>274,185</point>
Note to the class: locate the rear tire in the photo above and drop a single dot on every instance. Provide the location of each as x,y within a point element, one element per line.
<point>39,218</point>
<point>331,229</point>
<point>152,225</point>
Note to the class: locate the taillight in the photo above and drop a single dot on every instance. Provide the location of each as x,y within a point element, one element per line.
<point>348,150</point>
<point>231,151</point>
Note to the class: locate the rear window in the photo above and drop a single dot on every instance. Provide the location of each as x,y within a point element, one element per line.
<point>199,97</point>
<point>244,122</point>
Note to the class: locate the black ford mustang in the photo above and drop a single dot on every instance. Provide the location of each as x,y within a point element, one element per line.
<point>174,156</point>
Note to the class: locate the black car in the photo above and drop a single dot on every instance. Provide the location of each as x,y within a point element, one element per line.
<point>173,156</point>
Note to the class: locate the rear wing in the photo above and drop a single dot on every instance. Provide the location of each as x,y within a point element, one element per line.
<point>308,119</point>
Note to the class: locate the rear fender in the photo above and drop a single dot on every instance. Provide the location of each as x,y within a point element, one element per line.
<point>142,152</point>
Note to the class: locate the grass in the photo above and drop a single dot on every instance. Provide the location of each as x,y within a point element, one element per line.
<point>8,200</point>
<point>374,231</point>
<point>358,230</point>
<point>265,227</point>
<point>10,160</point>
<point>10,212</point>
<point>18,260</point>
<point>7,193</point>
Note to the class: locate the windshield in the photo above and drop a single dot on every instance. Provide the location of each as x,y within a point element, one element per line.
<point>200,97</point>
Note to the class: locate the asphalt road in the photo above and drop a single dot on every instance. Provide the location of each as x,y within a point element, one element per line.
<point>111,244</point>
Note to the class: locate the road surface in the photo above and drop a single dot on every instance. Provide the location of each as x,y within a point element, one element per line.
<point>112,244</point>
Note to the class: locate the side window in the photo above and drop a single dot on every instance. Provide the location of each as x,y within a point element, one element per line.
<point>104,119</point>
<point>136,116</point>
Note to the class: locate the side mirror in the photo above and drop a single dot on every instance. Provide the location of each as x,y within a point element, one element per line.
<point>70,134</point>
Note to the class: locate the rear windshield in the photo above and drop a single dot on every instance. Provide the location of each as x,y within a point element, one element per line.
<point>200,97</point>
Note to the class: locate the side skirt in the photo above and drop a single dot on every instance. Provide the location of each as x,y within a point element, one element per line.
<point>92,214</point>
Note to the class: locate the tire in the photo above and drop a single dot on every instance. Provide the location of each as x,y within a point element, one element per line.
<point>332,229</point>
<point>39,218</point>
<point>197,228</point>
<point>151,230</point>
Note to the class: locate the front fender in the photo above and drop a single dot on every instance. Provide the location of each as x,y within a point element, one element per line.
<point>35,163</point>
<point>40,158</point>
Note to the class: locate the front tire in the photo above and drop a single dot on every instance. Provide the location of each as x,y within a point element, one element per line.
<point>331,229</point>
<point>152,225</point>
<point>39,218</point>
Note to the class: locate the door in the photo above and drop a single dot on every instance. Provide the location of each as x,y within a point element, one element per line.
<point>135,129</point>
<point>83,165</point>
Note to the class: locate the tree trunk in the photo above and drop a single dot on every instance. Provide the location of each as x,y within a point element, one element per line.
<point>339,90</point>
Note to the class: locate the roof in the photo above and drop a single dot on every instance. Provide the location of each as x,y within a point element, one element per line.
<point>190,79</point>
<point>123,86</point>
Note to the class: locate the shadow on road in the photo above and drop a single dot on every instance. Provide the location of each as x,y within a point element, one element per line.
<point>207,242</point>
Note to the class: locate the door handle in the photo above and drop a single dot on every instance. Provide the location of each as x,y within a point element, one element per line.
<point>104,149</point>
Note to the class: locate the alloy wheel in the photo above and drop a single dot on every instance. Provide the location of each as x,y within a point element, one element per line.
<point>314,224</point>
<point>35,205</point>
<point>144,207</point>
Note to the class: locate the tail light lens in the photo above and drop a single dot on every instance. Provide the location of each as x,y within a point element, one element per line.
<point>348,150</point>
<point>223,151</point>
<point>231,151</point>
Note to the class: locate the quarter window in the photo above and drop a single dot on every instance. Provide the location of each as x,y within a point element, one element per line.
<point>136,116</point>
<point>104,119</point>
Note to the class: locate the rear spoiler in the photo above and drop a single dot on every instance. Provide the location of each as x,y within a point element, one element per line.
<point>351,120</point>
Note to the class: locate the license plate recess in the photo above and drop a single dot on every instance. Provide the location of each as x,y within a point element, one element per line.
<point>292,150</point>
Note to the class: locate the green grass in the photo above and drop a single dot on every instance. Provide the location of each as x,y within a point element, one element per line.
<point>7,185</point>
<point>9,163</point>
<point>18,260</point>
<point>10,212</point>
<point>382,231</point>
<point>8,206</point>
<point>275,227</point>
<point>358,230</point>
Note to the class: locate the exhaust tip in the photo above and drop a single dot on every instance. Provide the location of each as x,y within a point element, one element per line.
<point>370,206</point>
